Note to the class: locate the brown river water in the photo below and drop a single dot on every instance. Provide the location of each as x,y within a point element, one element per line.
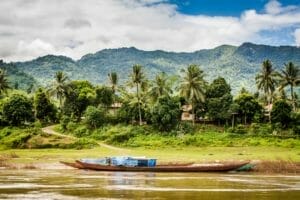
<point>79,184</point>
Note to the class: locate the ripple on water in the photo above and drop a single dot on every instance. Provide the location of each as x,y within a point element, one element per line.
<point>169,189</point>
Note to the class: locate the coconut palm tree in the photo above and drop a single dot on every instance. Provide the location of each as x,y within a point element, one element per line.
<point>113,80</point>
<point>60,87</point>
<point>266,81</point>
<point>161,86</point>
<point>290,76</point>
<point>4,84</point>
<point>192,86</point>
<point>138,79</point>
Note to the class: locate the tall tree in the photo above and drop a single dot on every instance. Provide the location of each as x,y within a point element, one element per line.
<point>45,111</point>
<point>165,114</point>
<point>60,86</point>
<point>113,80</point>
<point>138,79</point>
<point>218,100</point>
<point>17,110</point>
<point>4,84</point>
<point>161,86</point>
<point>192,86</point>
<point>290,76</point>
<point>248,106</point>
<point>266,81</point>
<point>81,94</point>
<point>104,96</point>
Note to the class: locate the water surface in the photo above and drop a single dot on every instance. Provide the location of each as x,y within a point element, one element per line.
<point>80,184</point>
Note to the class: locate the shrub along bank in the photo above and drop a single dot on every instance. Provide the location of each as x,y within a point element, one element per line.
<point>24,138</point>
<point>187,135</point>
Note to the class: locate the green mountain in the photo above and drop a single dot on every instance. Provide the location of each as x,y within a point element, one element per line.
<point>16,77</point>
<point>238,65</point>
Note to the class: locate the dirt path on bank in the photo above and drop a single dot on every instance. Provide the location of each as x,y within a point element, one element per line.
<point>50,130</point>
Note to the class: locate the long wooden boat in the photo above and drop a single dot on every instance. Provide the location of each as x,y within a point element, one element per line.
<point>73,164</point>
<point>210,167</point>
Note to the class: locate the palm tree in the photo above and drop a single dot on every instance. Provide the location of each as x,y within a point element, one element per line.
<point>138,79</point>
<point>4,84</point>
<point>161,86</point>
<point>113,79</point>
<point>290,76</point>
<point>192,86</point>
<point>60,86</point>
<point>266,81</point>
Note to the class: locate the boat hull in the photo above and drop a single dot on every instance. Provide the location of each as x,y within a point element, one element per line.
<point>73,164</point>
<point>215,167</point>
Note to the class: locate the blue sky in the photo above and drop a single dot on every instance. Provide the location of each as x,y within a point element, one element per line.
<point>74,28</point>
<point>236,8</point>
<point>224,7</point>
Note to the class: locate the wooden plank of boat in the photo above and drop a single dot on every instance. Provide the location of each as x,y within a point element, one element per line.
<point>73,164</point>
<point>213,167</point>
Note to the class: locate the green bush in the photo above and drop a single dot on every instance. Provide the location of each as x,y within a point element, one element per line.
<point>260,129</point>
<point>94,117</point>
<point>81,131</point>
<point>16,138</point>
<point>239,129</point>
<point>64,122</point>
<point>71,126</point>
<point>281,113</point>
<point>165,114</point>
<point>17,110</point>
<point>81,143</point>
<point>186,127</point>
<point>38,124</point>
<point>296,123</point>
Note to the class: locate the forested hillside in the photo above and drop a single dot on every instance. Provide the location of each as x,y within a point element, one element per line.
<point>17,78</point>
<point>238,65</point>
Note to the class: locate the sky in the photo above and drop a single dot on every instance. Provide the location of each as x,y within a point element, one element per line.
<point>33,28</point>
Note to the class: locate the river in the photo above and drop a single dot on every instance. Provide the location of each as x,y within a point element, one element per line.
<point>80,184</point>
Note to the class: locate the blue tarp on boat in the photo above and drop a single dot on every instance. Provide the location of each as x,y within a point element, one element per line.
<point>122,161</point>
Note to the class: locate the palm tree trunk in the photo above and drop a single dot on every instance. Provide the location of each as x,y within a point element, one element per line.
<point>269,108</point>
<point>60,102</point>
<point>293,97</point>
<point>139,104</point>
<point>193,111</point>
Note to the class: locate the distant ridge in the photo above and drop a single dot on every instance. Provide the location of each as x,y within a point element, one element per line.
<point>237,64</point>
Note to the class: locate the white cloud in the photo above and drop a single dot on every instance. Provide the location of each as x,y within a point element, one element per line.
<point>73,28</point>
<point>34,48</point>
<point>274,7</point>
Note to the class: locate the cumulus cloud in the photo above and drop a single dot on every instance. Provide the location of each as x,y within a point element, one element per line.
<point>274,7</point>
<point>34,48</point>
<point>73,28</point>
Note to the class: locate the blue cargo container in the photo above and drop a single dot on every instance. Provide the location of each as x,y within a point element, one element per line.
<point>151,162</point>
<point>122,161</point>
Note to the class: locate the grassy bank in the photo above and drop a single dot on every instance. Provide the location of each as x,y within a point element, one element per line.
<point>187,136</point>
<point>187,154</point>
<point>200,144</point>
<point>34,138</point>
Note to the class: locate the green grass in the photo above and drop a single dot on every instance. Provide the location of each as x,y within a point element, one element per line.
<point>204,144</point>
<point>34,138</point>
<point>187,154</point>
<point>200,136</point>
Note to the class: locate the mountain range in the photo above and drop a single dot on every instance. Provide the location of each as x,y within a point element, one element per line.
<point>237,64</point>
